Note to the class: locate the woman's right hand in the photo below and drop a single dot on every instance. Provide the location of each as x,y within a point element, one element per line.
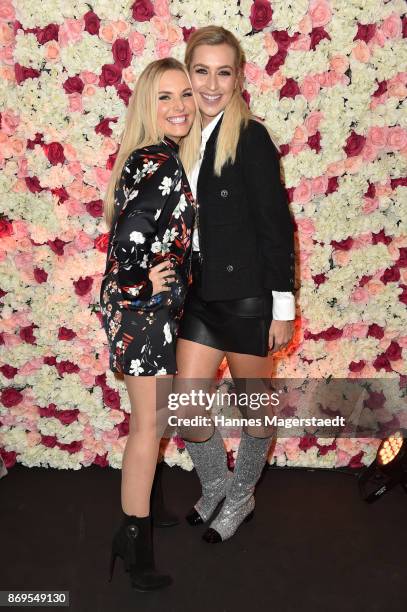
<point>160,275</point>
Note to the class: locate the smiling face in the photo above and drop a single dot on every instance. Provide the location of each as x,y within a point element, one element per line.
<point>214,78</point>
<point>176,105</point>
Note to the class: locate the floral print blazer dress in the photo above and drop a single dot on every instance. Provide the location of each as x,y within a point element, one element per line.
<point>153,221</point>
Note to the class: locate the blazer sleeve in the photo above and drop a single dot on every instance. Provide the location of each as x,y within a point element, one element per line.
<point>146,182</point>
<point>269,206</point>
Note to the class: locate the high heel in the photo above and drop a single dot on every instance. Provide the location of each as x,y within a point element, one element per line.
<point>161,516</point>
<point>133,543</point>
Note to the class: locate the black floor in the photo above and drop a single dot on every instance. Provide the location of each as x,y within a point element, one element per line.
<point>313,545</point>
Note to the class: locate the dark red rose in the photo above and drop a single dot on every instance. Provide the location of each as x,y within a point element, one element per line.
<point>27,334</point>
<point>282,38</point>
<point>290,89</point>
<point>398,182</point>
<point>323,449</point>
<point>124,92</point>
<point>8,371</point>
<point>40,275</point>
<point>381,89</point>
<point>61,193</point>
<point>9,457</point>
<point>332,333</point>
<point>33,184</point>
<point>39,139</point>
<point>95,208</point>
<point>101,460</point>
<point>371,191</point>
<point>73,85</point>
<point>49,441</point>
<point>55,153</point>
<point>275,61</point>
<point>380,237</point>
<point>73,447</point>
<point>103,126</point>
<point>57,246</point>
<point>111,398</point>
<point>317,35</point>
<point>404,28</point>
<point>111,75</point>
<point>50,360</point>
<point>123,427</point>
<point>23,73</point>
<point>186,33</point>
<point>314,142</point>
<point>142,10</point>
<point>10,397</point>
<point>319,279</point>
<point>100,380</point>
<point>382,363</point>
<point>49,411</point>
<point>284,150</point>
<point>83,285</point>
<point>110,161</point>
<point>342,245</point>
<point>66,367</point>
<point>403,294</point>
<point>354,144</point>
<point>391,275</point>
<point>92,22</point>
<point>375,331</point>
<point>375,401</point>
<point>261,14</point>
<point>357,366</point>
<point>6,227</point>
<point>365,31</point>
<point>402,260</point>
<point>246,97</point>
<point>121,52</point>
<point>65,333</point>
<point>66,417</point>
<point>356,461</point>
<point>307,442</point>
<point>50,32</point>
<point>393,351</point>
<point>102,242</point>
<point>364,280</point>
<point>332,185</point>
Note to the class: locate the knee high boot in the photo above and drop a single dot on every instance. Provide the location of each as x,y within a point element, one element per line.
<point>210,461</point>
<point>239,503</point>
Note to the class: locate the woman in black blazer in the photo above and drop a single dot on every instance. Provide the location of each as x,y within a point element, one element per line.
<point>240,304</point>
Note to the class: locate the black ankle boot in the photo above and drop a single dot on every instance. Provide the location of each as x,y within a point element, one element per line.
<point>133,543</point>
<point>160,515</point>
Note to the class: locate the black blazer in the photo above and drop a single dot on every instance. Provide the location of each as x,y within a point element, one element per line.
<point>245,227</point>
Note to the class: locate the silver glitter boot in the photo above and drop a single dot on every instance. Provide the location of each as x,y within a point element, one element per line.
<point>209,459</point>
<point>239,503</point>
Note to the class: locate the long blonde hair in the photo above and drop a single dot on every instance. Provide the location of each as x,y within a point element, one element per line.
<point>141,129</point>
<point>237,114</point>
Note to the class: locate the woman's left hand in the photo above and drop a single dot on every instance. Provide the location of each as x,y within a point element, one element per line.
<point>280,334</point>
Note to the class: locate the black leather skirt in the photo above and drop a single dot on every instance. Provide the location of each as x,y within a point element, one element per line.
<point>236,326</point>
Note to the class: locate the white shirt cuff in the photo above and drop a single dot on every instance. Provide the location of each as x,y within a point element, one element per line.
<point>283,306</point>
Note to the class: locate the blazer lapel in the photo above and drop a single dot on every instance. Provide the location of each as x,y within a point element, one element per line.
<point>208,160</point>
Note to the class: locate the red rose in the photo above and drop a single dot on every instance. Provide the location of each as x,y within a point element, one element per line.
<point>57,246</point>
<point>39,139</point>
<point>33,184</point>
<point>48,441</point>
<point>332,185</point>
<point>398,182</point>
<point>65,333</point>
<point>342,245</point>
<point>391,275</point>
<point>49,411</point>
<point>275,61</point>
<point>51,361</point>
<point>61,193</point>
<point>364,280</point>
<point>11,397</point>
<point>355,461</point>
<point>40,275</point>
<point>282,38</point>
<point>261,14</point>
<point>381,89</point>
<point>111,74</point>
<point>380,237</point>
<point>382,363</point>
<point>319,279</point>
<point>6,227</point>
<point>100,380</point>
<point>246,97</point>
<point>50,32</point>
<point>290,89</point>
<point>92,22</point>
<point>73,447</point>
<point>142,10</point>
<point>23,73</point>
<point>186,33</point>
<point>103,126</point>
<point>83,285</point>
<point>393,351</point>
<point>111,161</point>
<point>314,142</point>
<point>365,32</point>
<point>73,85</point>
<point>121,52</point>
<point>101,460</point>
<point>66,367</point>
<point>371,191</point>
<point>123,427</point>
<point>354,144</point>
<point>55,153</point>
<point>323,449</point>
<point>284,150</point>
<point>357,366</point>
<point>404,29</point>
<point>402,260</point>
<point>317,35</point>
<point>332,333</point>
<point>375,331</point>
<point>111,398</point>
<point>66,417</point>
<point>307,442</point>
<point>8,371</point>
<point>9,457</point>
<point>27,334</point>
<point>124,92</point>
<point>102,242</point>
<point>95,208</point>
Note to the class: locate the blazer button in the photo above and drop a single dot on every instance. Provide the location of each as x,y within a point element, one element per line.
<point>229,268</point>
<point>224,193</point>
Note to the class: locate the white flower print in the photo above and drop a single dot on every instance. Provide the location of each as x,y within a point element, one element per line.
<point>167,334</point>
<point>157,214</point>
<point>137,237</point>
<point>162,371</point>
<point>170,235</point>
<point>134,291</point>
<point>165,186</point>
<point>143,262</point>
<point>135,367</point>
<point>178,186</point>
<point>180,207</point>
<point>150,167</point>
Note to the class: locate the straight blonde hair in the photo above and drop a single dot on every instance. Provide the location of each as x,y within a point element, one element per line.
<point>237,114</point>
<point>141,128</point>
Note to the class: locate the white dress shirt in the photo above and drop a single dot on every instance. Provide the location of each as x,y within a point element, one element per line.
<point>283,301</point>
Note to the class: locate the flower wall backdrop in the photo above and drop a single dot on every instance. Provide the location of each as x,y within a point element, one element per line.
<point>330,79</point>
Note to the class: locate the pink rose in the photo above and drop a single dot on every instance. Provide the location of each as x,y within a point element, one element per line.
<point>142,10</point>
<point>159,27</point>
<point>392,26</point>
<point>161,8</point>
<point>319,185</point>
<point>310,87</point>
<point>303,192</point>
<point>302,43</point>
<point>70,31</point>
<point>397,138</point>
<point>6,10</point>
<point>320,12</point>
<point>137,42</point>
<point>253,73</point>
<point>261,14</point>
<point>162,49</point>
